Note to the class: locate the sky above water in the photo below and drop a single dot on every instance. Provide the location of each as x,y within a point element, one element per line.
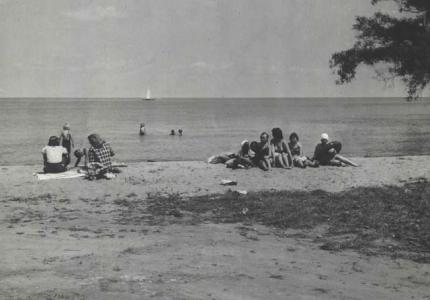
<point>180,48</point>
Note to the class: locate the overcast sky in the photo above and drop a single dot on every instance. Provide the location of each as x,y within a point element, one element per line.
<point>179,48</point>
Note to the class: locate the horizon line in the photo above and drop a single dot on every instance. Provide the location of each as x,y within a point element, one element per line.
<point>221,97</point>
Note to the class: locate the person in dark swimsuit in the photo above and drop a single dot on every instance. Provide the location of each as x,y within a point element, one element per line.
<point>327,153</point>
<point>66,141</point>
<point>263,152</point>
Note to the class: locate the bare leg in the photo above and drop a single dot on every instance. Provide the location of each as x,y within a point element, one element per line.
<point>312,164</point>
<point>262,165</point>
<point>345,160</point>
<point>267,163</point>
<point>284,160</point>
<point>299,163</point>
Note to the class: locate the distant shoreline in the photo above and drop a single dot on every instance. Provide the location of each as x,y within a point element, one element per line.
<point>203,98</point>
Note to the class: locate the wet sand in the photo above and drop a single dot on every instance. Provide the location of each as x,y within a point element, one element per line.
<point>67,239</point>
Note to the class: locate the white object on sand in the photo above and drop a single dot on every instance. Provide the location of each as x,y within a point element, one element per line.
<point>228,182</point>
<point>64,175</point>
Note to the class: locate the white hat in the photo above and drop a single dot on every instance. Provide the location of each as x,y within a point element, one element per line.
<point>244,142</point>
<point>324,136</point>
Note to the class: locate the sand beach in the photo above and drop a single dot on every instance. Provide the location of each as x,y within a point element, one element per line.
<point>109,239</point>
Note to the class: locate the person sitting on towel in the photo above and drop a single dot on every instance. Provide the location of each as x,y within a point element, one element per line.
<point>54,156</point>
<point>327,153</point>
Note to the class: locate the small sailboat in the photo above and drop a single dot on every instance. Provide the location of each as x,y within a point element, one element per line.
<point>148,95</point>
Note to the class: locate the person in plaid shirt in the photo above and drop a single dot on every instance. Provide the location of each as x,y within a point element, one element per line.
<point>99,153</point>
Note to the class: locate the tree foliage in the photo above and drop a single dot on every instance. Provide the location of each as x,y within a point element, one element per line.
<point>402,43</point>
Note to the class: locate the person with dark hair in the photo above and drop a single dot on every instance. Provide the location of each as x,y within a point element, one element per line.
<point>79,154</point>
<point>172,132</point>
<point>280,150</point>
<point>262,152</point>
<point>298,159</point>
<point>180,131</point>
<point>99,156</point>
<point>327,153</point>
<point>54,156</point>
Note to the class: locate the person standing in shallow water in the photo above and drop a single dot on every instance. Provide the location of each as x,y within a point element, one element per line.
<point>172,132</point>
<point>142,129</point>
<point>66,141</point>
<point>180,131</point>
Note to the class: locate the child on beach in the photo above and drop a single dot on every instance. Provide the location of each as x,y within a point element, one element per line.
<point>280,150</point>
<point>262,152</point>
<point>298,159</point>
<point>66,141</point>
<point>327,154</point>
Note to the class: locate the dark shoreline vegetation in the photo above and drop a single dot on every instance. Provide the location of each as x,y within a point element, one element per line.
<point>387,220</point>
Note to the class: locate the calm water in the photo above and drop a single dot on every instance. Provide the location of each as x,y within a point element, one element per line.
<point>366,127</point>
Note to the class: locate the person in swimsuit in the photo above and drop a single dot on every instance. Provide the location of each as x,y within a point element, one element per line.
<point>242,159</point>
<point>298,159</point>
<point>280,151</point>
<point>327,153</point>
<point>142,129</point>
<point>262,152</point>
<point>66,141</point>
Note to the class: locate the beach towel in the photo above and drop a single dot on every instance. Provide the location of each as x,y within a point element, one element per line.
<point>65,175</point>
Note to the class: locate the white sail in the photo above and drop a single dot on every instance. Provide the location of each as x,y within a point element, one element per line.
<point>148,94</point>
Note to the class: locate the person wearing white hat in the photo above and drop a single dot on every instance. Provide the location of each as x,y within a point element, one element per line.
<point>327,153</point>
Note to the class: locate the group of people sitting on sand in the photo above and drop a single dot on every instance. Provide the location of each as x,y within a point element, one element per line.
<point>97,158</point>
<point>276,152</point>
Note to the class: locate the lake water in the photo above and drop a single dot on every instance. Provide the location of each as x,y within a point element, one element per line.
<point>366,127</point>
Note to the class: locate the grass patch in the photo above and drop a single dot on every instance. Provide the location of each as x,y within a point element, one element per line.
<point>387,219</point>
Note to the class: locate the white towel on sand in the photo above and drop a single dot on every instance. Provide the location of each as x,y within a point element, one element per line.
<point>64,175</point>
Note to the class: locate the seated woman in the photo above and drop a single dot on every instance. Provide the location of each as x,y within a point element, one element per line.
<point>280,150</point>
<point>298,159</point>
<point>262,152</point>
<point>327,154</point>
<point>54,156</point>
<point>99,155</point>
<point>241,160</point>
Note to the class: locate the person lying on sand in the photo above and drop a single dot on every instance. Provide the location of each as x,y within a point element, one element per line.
<point>298,159</point>
<point>99,157</point>
<point>54,156</point>
<point>242,160</point>
<point>280,150</point>
<point>327,154</point>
